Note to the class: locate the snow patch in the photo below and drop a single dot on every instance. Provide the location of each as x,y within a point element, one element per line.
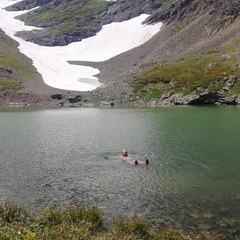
<point>52,62</point>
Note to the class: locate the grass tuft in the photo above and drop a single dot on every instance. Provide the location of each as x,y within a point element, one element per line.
<point>11,213</point>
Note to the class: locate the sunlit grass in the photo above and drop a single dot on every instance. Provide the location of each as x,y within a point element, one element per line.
<point>77,223</point>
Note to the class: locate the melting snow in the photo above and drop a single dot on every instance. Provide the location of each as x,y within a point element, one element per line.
<point>51,62</point>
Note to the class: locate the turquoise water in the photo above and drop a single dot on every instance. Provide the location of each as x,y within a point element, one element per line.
<point>56,156</point>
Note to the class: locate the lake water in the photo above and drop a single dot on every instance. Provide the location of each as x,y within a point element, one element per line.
<point>56,156</point>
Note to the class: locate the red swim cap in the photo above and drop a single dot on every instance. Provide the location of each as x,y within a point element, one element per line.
<point>147,161</point>
<point>136,162</point>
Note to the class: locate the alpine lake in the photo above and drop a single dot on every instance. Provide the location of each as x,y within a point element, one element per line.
<point>71,156</point>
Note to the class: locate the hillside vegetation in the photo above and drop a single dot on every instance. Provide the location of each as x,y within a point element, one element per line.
<point>192,74</point>
<point>13,65</point>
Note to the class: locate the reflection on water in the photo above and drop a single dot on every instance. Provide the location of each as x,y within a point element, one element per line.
<point>56,156</point>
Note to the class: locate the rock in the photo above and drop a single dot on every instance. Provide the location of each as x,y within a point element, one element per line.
<point>210,67</point>
<point>194,215</point>
<point>208,215</point>
<point>230,221</point>
<point>6,70</point>
<point>57,96</point>
<point>222,223</point>
<point>225,88</point>
<point>231,81</point>
<point>232,100</point>
<point>106,103</point>
<point>153,102</point>
<point>74,99</point>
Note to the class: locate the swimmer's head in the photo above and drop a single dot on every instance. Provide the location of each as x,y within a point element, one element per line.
<point>124,153</point>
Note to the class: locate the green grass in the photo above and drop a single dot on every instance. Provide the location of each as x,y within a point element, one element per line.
<point>9,84</point>
<point>77,223</point>
<point>188,74</point>
<point>11,58</point>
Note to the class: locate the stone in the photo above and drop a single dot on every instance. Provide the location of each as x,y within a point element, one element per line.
<point>208,215</point>
<point>74,99</point>
<point>230,221</point>
<point>194,215</point>
<point>57,96</point>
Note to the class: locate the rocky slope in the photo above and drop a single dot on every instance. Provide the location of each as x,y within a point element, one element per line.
<point>190,27</point>
<point>69,21</point>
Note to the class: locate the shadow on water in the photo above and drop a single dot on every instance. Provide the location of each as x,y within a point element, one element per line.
<point>56,156</point>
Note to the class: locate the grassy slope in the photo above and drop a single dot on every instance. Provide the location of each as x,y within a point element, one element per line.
<point>12,61</point>
<point>188,74</point>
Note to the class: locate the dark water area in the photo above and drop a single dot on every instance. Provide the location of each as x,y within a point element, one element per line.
<point>56,156</point>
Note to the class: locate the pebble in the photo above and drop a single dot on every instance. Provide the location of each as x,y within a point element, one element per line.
<point>230,221</point>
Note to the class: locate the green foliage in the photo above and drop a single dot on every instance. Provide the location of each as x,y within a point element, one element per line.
<point>10,213</point>
<point>137,227</point>
<point>188,74</point>
<point>76,223</point>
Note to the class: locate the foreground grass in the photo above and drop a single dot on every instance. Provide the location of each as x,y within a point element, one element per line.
<point>76,223</point>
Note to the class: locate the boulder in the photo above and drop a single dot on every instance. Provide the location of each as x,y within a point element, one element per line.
<point>57,96</point>
<point>74,99</point>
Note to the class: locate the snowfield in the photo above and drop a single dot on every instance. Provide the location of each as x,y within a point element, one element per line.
<point>52,62</point>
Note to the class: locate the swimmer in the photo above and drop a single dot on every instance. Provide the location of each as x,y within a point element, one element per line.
<point>130,160</point>
<point>124,153</point>
<point>125,156</point>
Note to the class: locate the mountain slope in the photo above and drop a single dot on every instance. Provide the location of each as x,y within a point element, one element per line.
<point>208,30</point>
<point>73,20</point>
<point>20,83</point>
